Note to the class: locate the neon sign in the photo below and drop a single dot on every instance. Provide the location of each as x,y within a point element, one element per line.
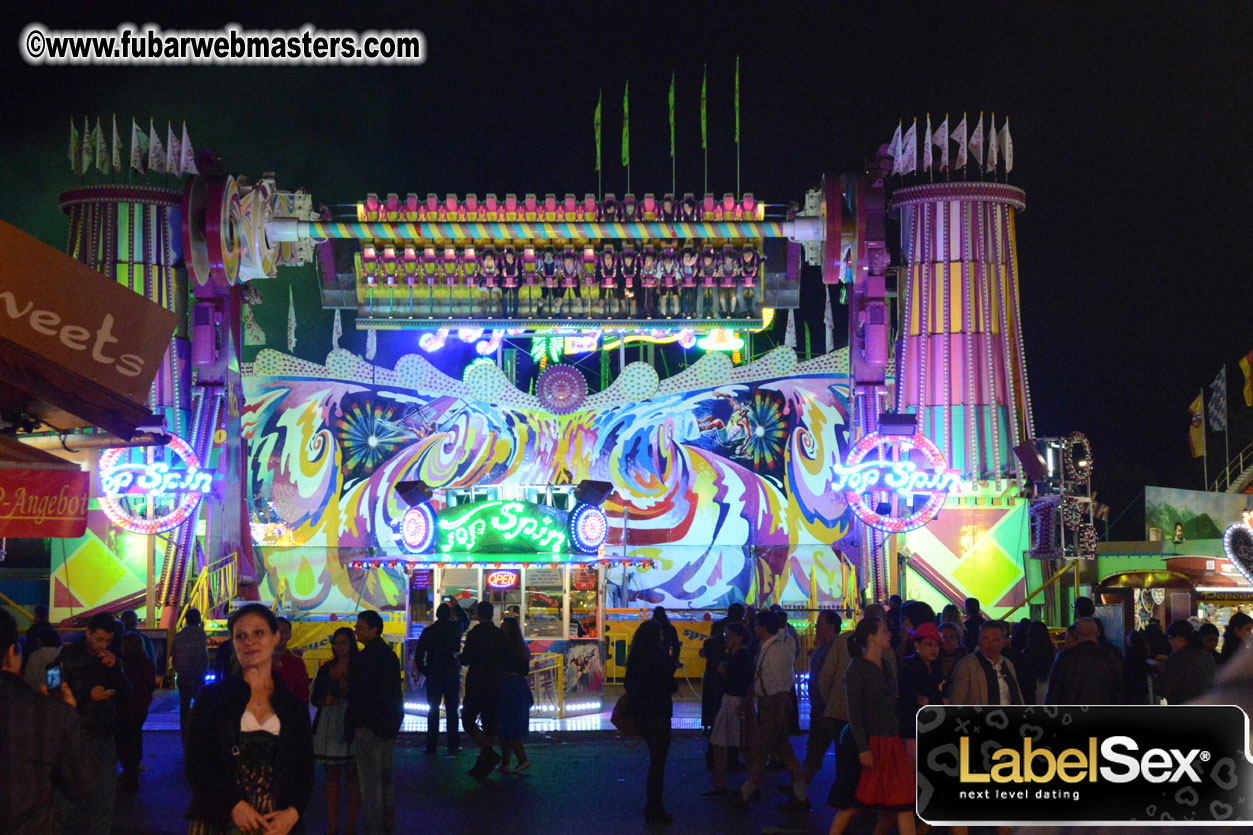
<point>502,580</point>
<point>588,528</point>
<point>417,528</point>
<point>908,473</point>
<point>1238,544</point>
<point>505,525</point>
<point>120,479</point>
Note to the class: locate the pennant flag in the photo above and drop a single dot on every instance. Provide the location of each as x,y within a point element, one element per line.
<point>291,321</point>
<point>188,165</point>
<point>828,326</point>
<point>337,330</point>
<point>1246,365</point>
<point>1007,146</point>
<point>909,163</point>
<point>959,136</point>
<point>253,335</point>
<point>894,149</point>
<point>1196,428</point>
<point>596,126</point>
<point>156,153</point>
<point>704,131</point>
<point>926,148</point>
<point>672,114</point>
<point>737,99</point>
<point>88,155</point>
<point>976,142</point>
<point>940,140</point>
<point>117,148</point>
<point>102,149</point>
<point>139,147</point>
<point>73,146</point>
<point>371,343</point>
<point>789,335</point>
<point>1218,401</point>
<point>626,126</point>
<point>174,151</point>
<point>992,145</point>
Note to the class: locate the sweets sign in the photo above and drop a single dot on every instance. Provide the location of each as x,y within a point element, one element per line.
<point>896,483</point>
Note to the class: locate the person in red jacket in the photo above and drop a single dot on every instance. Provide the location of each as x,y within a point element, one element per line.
<point>289,666</point>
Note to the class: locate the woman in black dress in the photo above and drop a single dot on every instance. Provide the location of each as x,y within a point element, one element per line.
<point>873,772</point>
<point>650,686</point>
<point>249,756</point>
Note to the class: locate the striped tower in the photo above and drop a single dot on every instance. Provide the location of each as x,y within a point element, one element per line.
<point>960,354</point>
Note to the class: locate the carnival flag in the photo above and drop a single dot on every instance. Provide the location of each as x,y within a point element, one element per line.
<point>940,140</point>
<point>102,149</point>
<point>671,114</point>
<point>73,146</point>
<point>926,148</point>
<point>596,126</point>
<point>992,143</point>
<point>88,155</point>
<point>1196,427</point>
<point>959,136</point>
<point>626,126</point>
<point>910,150</point>
<point>117,148</point>
<point>371,343</point>
<point>156,151</point>
<point>704,88</point>
<point>189,155</point>
<point>789,335</point>
<point>291,321</point>
<point>828,325</point>
<point>1218,401</point>
<point>1007,146</point>
<point>1246,365</point>
<point>337,330</point>
<point>894,149</point>
<point>174,151</point>
<point>976,142</point>
<point>139,147</point>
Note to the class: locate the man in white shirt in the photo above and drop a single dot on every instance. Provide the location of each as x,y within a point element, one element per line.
<point>772,684</point>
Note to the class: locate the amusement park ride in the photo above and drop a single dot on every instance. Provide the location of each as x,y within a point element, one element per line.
<point>947,314</point>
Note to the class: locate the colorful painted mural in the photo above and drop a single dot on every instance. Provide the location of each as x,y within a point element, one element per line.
<point>722,475</point>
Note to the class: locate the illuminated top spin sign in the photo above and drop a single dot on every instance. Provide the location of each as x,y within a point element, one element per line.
<point>897,470</point>
<point>120,478</point>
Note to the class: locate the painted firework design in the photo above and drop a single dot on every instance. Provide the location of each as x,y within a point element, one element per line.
<point>721,475</point>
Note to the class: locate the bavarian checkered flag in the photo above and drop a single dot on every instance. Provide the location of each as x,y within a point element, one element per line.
<point>1218,402</point>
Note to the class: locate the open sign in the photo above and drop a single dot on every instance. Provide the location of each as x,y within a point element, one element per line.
<point>501,580</point>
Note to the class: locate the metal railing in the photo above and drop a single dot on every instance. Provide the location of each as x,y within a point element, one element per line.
<point>1074,566</point>
<point>1237,474</point>
<point>548,684</point>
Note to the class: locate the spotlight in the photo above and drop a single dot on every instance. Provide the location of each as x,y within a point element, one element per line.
<point>592,492</point>
<point>413,493</point>
<point>1033,464</point>
<point>891,423</point>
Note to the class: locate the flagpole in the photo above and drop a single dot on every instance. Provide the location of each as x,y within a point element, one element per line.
<point>737,127</point>
<point>704,139</point>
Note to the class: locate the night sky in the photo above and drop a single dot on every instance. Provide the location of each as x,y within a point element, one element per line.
<point>1131,126</point>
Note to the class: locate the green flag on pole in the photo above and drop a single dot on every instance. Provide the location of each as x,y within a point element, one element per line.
<point>704,133</point>
<point>737,99</point>
<point>672,113</point>
<point>596,127</point>
<point>626,125</point>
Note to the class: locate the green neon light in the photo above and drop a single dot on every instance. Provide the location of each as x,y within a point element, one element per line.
<point>507,523</point>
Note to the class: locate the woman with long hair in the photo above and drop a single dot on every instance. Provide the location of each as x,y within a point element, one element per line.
<point>735,724</point>
<point>1038,655</point>
<point>650,688</point>
<point>515,698</point>
<point>249,756</point>
<point>1238,629</point>
<point>330,697</point>
<point>1137,674</point>
<point>873,770</point>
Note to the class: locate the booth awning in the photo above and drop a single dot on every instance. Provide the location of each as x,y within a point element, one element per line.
<point>76,348</point>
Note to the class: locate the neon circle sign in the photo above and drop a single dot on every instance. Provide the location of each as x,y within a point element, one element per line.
<point>897,470</point>
<point>417,528</point>
<point>120,478</point>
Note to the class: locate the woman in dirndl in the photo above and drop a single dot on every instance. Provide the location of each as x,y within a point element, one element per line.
<point>330,697</point>
<point>249,754</point>
<point>873,771</point>
<point>735,726</point>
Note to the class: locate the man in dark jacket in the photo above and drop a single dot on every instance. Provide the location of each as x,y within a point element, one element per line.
<point>191,659</point>
<point>372,721</point>
<point>484,654</point>
<point>41,746</point>
<point>96,679</point>
<point>1189,669</point>
<point>435,657</point>
<point>1085,674</point>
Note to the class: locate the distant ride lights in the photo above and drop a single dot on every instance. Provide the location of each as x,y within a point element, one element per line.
<point>896,482</point>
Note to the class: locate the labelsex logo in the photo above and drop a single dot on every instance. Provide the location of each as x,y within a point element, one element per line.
<point>1072,765</point>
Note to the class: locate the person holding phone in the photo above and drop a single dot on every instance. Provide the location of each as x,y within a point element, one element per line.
<point>98,683</point>
<point>249,753</point>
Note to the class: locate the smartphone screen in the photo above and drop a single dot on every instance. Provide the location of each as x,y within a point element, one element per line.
<point>53,678</point>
